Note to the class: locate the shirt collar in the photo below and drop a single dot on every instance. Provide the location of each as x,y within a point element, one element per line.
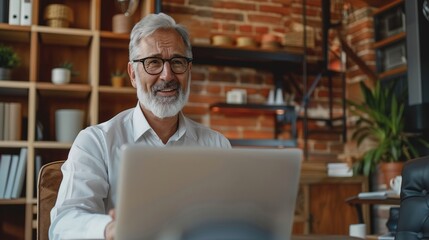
<point>141,126</point>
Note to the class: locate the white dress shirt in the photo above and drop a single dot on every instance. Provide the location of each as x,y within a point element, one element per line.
<point>88,188</point>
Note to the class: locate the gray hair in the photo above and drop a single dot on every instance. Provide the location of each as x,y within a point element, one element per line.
<point>149,25</point>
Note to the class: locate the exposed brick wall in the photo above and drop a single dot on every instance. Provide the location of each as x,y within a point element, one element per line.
<point>205,18</point>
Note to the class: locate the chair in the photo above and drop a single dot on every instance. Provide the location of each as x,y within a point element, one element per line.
<point>413,223</point>
<point>50,177</point>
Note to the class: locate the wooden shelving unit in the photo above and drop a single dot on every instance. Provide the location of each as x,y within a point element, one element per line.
<point>95,50</point>
<point>384,40</point>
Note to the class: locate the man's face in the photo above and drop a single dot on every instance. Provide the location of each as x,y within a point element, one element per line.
<point>166,93</point>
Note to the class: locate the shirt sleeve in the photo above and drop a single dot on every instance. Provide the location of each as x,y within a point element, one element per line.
<point>81,207</point>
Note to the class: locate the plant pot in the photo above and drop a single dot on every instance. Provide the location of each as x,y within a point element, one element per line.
<point>390,170</point>
<point>60,75</point>
<point>58,15</point>
<point>5,73</point>
<point>118,82</point>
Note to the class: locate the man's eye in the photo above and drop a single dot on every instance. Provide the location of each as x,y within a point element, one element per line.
<point>177,61</point>
<point>154,61</point>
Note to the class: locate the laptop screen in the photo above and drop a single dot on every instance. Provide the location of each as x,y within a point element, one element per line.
<point>201,193</point>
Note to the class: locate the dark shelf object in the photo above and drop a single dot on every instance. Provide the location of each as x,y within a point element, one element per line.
<point>246,57</point>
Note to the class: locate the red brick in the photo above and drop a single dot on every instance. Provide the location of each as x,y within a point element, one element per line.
<point>227,16</point>
<point>245,28</point>
<point>261,30</point>
<point>222,77</point>
<point>233,5</point>
<point>284,11</point>
<point>288,2</point>
<point>249,134</point>
<point>259,18</point>
<point>195,110</point>
<point>210,99</point>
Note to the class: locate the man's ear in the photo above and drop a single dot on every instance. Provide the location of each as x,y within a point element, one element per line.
<point>132,74</point>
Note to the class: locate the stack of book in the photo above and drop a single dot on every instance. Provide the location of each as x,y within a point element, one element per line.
<point>12,174</point>
<point>10,121</point>
<point>339,170</point>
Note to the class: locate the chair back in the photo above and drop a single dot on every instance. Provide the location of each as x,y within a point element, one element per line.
<point>413,223</point>
<point>49,180</point>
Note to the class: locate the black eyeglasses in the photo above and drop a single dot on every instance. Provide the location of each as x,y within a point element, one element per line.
<point>155,65</point>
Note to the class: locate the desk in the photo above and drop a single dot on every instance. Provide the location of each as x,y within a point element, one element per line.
<point>323,237</point>
<point>357,203</point>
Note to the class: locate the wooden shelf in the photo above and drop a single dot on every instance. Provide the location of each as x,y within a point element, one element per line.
<point>393,72</point>
<point>17,201</point>
<point>392,39</point>
<point>64,36</point>
<point>385,5</point>
<point>15,33</point>
<point>51,145</point>
<point>64,90</point>
<point>122,90</point>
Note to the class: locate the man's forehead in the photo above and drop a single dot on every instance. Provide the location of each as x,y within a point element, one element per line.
<point>162,40</point>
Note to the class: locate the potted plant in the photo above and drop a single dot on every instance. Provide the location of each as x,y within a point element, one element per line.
<point>118,78</point>
<point>8,60</point>
<point>63,73</point>
<point>381,121</point>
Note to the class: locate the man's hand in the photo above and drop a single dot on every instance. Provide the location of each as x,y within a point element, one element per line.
<point>109,232</point>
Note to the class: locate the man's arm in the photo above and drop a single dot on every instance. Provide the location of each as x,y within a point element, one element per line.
<point>80,210</point>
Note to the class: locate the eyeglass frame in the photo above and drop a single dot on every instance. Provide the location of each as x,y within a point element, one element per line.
<point>188,60</point>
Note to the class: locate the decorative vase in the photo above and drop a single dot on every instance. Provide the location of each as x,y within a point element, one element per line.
<point>60,75</point>
<point>390,170</point>
<point>5,73</point>
<point>117,82</point>
<point>58,15</point>
<point>121,24</point>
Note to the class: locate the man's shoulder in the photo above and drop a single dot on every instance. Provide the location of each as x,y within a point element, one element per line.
<point>115,123</point>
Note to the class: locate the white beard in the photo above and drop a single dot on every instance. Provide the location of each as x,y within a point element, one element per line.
<point>162,107</point>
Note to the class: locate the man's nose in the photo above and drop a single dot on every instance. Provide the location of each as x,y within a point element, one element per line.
<point>167,74</point>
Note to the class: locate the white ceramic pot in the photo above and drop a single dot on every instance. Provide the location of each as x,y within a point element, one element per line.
<point>5,73</point>
<point>68,123</point>
<point>60,75</point>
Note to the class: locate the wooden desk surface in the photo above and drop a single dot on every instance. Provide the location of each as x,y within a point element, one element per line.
<point>323,237</point>
<point>385,201</point>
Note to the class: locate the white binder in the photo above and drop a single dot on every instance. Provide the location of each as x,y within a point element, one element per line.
<point>25,12</point>
<point>14,12</point>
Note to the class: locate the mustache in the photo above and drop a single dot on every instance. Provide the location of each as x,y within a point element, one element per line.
<point>166,85</point>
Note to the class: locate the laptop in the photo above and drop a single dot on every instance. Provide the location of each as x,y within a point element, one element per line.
<point>191,193</point>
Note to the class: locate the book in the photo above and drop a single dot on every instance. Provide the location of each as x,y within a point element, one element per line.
<point>14,12</point>
<point>387,236</point>
<point>11,176</point>
<point>4,11</point>
<point>377,195</point>
<point>6,121</point>
<point>25,12</point>
<point>339,170</point>
<point>4,172</point>
<point>15,121</point>
<point>1,120</point>
<point>20,174</point>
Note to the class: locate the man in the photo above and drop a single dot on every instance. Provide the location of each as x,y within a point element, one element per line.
<point>159,68</point>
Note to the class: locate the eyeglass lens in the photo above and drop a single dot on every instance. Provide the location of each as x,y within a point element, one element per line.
<point>154,65</point>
